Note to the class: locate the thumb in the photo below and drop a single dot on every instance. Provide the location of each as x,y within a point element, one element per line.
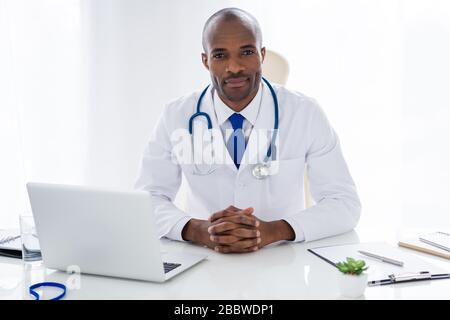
<point>248,211</point>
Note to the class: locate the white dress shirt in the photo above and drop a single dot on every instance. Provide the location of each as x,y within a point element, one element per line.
<point>224,112</point>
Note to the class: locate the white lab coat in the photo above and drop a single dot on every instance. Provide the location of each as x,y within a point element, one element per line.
<point>305,137</point>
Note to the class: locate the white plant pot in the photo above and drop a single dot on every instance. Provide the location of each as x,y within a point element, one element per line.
<point>352,286</point>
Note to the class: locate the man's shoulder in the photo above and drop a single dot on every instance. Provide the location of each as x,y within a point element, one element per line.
<point>176,112</point>
<point>183,103</point>
<point>295,100</point>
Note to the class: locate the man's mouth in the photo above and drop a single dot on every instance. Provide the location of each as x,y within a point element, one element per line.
<point>236,82</point>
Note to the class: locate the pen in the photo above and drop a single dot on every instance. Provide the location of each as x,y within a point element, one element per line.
<point>423,275</point>
<point>384,259</point>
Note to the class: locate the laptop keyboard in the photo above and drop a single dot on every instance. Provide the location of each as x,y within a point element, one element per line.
<point>170,266</point>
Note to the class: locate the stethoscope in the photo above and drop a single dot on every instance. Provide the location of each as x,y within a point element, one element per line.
<point>260,170</point>
<point>48,284</point>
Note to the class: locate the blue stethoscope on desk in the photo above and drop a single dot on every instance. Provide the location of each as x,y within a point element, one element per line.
<point>260,170</point>
<point>48,284</point>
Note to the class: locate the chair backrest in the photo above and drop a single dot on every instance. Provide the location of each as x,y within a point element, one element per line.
<point>276,69</point>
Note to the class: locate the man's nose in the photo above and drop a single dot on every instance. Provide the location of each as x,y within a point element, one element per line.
<point>234,66</point>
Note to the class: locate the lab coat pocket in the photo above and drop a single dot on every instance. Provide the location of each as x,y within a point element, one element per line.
<point>209,192</point>
<point>204,178</point>
<point>285,185</point>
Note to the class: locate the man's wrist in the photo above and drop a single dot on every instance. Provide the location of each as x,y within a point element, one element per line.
<point>282,230</point>
<point>188,233</point>
<point>192,231</point>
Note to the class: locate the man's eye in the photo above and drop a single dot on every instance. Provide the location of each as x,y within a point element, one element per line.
<point>248,52</point>
<point>218,55</point>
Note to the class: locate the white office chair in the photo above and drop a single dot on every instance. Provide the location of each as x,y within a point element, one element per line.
<point>276,69</point>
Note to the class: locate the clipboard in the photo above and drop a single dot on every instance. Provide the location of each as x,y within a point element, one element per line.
<point>10,244</point>
<point>381,273</point>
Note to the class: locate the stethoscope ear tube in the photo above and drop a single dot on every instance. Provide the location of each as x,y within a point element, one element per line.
<point>198,113</point>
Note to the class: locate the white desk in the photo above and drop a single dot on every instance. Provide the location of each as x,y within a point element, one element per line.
<point>284,271</point>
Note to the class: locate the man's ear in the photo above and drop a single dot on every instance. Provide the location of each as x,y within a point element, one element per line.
<point>263,54</point>
<point>205,61</point>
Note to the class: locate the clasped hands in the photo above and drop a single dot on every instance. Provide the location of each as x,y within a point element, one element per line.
<point>235,230</point>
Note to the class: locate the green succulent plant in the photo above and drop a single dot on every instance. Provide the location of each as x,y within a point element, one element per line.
<point>352,266</point>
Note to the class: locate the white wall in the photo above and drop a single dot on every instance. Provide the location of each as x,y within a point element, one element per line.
<point>140,55</point>
<point>425,185</point>
<point>42,134</point>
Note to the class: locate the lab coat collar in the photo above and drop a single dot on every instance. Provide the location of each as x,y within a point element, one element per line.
<point>250,112</point>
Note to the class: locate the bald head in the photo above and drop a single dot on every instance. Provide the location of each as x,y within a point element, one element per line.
<point>233,55</point>
<point>226,15</point>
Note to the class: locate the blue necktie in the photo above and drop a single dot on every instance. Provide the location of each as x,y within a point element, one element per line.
<point>236,143</point>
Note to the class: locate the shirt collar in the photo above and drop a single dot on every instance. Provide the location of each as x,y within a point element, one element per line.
<point>250,112</point>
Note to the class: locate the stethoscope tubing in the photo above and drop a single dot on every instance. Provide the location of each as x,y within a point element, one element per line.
<point>199,113</point>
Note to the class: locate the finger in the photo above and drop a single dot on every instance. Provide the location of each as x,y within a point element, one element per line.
<point>232,208</point>
<point>228,213</point>
<point>230,249</point>
<point>221,214</point>
<point>221,227</point>
<point>224,213</point>
<point>246,211</point>
<point>239,232</point>
<point>244,233</point>
<point>225,239</point>
<point>246,243</point>
<point>241,219</point>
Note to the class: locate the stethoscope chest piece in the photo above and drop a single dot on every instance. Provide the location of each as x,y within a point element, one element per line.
<point>261,171</point>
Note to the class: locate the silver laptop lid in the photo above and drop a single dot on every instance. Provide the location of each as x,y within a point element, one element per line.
<point>101,231</point>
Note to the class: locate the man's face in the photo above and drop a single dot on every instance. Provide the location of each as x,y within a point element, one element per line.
<point>234,60</point>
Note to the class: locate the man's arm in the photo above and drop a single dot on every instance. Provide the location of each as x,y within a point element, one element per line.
<point>338,207</point>
<point>278,230</point>
<point>196,231</point>
<point>162,183</point>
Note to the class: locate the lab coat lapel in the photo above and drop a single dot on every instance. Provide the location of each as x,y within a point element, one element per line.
<point>222,155</point>
<point>259,139</point>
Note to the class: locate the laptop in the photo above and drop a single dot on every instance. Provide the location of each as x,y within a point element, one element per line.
<point>102,232</point>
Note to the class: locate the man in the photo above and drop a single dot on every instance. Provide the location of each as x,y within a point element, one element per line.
<point>228,209</point>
